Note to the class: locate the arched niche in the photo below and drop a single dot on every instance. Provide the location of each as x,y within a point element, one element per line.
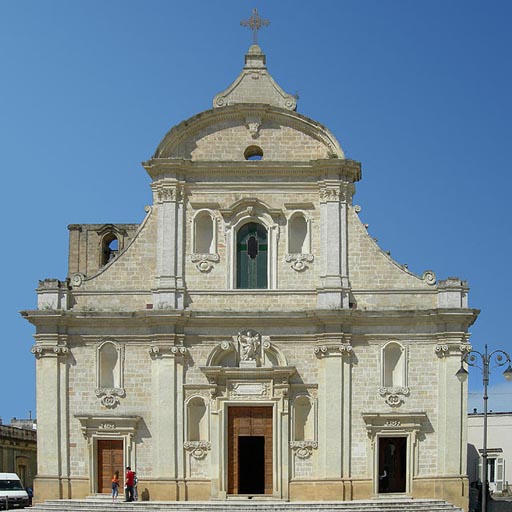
<point>109,373</point>
<point>393,365</point>
<point>204,231</point>
<point>197,419</point>
<point>303,417</point>
<point>299,241</point>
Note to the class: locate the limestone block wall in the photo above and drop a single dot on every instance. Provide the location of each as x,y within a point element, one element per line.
<point>83,401</point>
<point>228,140</point>
<point>124,283</point>
<point>376,278</point>
<point>422,396</point>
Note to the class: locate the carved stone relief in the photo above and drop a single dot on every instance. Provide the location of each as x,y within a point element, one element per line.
<point>299,261</point>
<point>303,449</point>
<point>204,262</point>
<point>197,449</point>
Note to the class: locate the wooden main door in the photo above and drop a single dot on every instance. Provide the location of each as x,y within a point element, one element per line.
<point>110,459</point>
<point>250,450</point>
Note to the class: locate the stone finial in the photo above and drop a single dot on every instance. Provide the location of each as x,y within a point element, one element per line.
<point>255,85</point>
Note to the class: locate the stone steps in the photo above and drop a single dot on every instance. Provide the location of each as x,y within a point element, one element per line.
<point>102,503</point>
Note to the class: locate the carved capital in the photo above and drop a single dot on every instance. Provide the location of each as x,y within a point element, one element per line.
<point>447,349</point>
<point>159,351</point>
<point>167,192</point>
<point>331,349</point>
<point>49,350</point>
<point>330,194</point>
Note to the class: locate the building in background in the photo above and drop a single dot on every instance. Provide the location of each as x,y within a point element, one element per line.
<point>18,449</point>
<point>250,337</point>
<point>499,449</point>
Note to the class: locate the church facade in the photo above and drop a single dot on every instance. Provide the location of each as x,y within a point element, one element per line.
<point>249,337</point>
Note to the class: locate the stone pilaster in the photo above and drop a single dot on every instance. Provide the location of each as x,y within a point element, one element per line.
<point>167,406</point>
<point>452,407</point>
<point>169,290</point>
<point>334,366</point>
<point>334,287</point>
<point>52,416</point>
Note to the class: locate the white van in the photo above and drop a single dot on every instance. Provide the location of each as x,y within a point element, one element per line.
<point>12,492</point>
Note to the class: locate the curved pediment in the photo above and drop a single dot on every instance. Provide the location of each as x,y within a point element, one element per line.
<point>239,132</point>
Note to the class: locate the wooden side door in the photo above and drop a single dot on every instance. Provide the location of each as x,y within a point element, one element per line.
<point>255,422</point>
<point>110,459</point>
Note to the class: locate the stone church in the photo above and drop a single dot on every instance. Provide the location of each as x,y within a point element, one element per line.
<point>249,337</point>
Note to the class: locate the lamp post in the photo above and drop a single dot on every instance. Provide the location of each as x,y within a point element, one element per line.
<point>473,358</point>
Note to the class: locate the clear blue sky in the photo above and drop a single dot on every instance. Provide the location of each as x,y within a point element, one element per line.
<point>419,92</point>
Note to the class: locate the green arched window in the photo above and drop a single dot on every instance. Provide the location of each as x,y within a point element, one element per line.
<point>251,256</point>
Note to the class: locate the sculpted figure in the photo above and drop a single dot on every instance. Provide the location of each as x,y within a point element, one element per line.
<point>249,342</point>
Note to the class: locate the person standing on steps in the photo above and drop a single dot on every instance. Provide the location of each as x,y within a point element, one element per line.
<point>129,481</point>
<point>115,485</point>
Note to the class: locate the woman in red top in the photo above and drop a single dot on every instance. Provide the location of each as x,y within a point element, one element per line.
<point>115,486</point>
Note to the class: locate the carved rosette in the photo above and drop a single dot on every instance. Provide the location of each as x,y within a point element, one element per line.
<point>303,449</point>
<point>299,261</point>
<point>204,262</point>
<point>394,397</point>
<point>197,449</point>
<point>330,349</point>
<point>45,350</point>
<point>109,397</point>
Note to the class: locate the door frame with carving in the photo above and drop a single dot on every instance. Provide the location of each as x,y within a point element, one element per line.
<point>280,435</point>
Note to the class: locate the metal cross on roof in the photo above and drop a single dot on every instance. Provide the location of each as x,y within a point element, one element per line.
<point>255,22</point>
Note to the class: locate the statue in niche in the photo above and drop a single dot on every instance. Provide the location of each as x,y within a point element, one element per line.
<point>249,343</point>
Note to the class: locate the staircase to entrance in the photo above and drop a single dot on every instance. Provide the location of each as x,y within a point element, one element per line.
<point>246,505</point>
